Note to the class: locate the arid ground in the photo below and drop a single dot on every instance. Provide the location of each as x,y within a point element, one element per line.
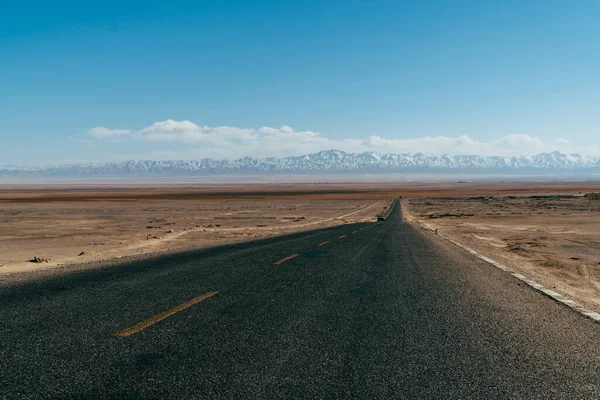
<point>554,240</point>
<point>44,227</point>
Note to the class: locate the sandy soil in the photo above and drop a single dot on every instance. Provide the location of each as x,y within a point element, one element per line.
<point>82,224</point>
<point>75,231</point>
<point>553,240</point>
<point>337,191</point>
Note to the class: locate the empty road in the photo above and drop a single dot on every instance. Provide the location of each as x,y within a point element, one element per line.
<point>373,310</point>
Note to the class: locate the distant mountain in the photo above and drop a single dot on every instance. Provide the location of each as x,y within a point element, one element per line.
<point>323,161</point>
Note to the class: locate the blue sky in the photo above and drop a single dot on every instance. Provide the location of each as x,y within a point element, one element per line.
<point>118,80</point>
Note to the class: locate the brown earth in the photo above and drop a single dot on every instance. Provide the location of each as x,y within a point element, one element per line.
<point>211,192</point>
<point>77,225</point>
<point>553,240</point>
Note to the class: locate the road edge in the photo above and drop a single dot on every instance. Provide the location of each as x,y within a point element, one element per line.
<point>572,304</point>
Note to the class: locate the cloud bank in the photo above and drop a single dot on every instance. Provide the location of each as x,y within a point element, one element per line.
<point>186,139</point>
<point>102,132</point>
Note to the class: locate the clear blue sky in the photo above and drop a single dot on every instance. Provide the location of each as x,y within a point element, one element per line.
<point>396,70</point>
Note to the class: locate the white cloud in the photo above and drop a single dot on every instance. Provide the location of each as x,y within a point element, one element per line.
<point>101,132</point>
<point>233,142</point>
<point>170,130</point>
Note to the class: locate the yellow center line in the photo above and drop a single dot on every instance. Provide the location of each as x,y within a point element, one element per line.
<point>323,243</point>
<point>341,237</point>
<point>286,258</point>
<point>159,317</point>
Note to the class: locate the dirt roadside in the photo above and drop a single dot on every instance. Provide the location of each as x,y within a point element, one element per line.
<point>552,239</point>
<point>62,233</point>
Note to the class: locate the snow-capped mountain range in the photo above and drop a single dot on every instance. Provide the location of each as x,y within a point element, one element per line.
<point>323,161</point>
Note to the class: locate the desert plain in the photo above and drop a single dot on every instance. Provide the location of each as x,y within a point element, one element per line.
<point>48,226</point>
<point>549,232</point>
<point>553,239</point>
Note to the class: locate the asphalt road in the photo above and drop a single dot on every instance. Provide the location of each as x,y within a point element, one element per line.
<point>373,310</point>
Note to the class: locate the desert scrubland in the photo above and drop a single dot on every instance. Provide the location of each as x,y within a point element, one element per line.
<point>549,232</point>
<point>553,239</point>
<point>45,227</point>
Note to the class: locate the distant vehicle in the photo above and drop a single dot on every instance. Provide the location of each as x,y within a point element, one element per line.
<point>380,218</point>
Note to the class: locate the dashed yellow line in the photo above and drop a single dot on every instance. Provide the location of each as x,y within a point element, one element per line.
<point>341,237</point>
<point>323,243</point>
<point>286,259</point>
<point>159,317</point>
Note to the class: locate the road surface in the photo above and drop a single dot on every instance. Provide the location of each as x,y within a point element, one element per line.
<point>372,310</point>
